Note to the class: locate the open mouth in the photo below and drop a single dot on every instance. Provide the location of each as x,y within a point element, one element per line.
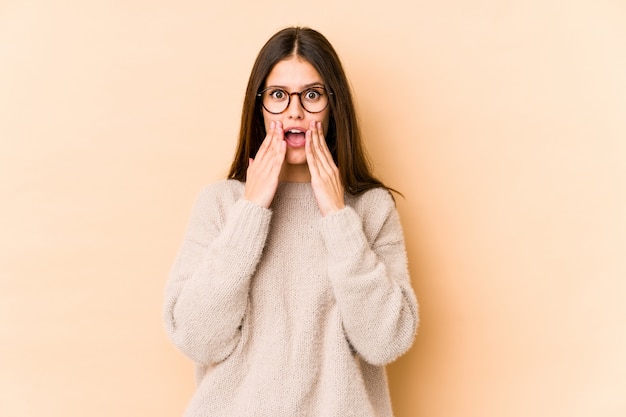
<point>295,137</point>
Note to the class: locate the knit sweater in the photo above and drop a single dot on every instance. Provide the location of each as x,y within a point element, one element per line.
<point>286,313</point>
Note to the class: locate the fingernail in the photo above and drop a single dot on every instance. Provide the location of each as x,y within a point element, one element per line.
<point>272,125</point>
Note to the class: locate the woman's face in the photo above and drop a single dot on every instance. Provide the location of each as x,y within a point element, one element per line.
<point>295,75</point>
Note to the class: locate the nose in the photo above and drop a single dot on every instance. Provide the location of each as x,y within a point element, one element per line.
<point>295,109</point>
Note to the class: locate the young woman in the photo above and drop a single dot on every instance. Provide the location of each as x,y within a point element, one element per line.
<point>291,290</point>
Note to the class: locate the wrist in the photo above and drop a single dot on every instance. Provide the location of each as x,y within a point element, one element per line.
<point>334,209</point>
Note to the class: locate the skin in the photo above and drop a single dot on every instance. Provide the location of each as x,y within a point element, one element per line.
<point>277,162</point>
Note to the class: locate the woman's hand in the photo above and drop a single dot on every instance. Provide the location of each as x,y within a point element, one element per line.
<point>325,179</point>
<point>264,169</point>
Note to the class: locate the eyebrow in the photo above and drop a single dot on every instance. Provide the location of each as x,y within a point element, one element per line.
<point>304,87</point>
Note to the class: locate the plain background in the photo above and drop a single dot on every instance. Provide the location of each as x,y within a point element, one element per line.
<point>502,122</point>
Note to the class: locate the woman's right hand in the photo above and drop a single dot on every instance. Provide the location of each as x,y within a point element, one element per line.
<point>264,169</point>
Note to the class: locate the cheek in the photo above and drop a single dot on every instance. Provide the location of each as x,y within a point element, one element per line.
<point>268,118</point>
<point>325,123</point>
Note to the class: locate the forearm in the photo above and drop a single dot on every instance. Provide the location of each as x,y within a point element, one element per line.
<point>372,287</point>
<point>206,297</point>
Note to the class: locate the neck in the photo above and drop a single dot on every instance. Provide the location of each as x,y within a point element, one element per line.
<point>295,173</point>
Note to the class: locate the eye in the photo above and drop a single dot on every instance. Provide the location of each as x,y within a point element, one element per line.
<point>278,95</point>
<point>313,94</point>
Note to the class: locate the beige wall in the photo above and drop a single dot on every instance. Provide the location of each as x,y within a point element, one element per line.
<point>502,122</point>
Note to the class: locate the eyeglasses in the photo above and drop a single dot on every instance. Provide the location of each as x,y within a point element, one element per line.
<point>276,100</point>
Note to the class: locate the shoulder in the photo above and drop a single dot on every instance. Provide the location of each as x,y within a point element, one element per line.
<point>374,201</point>
<point>376,208</point>
<point>215,200</point>
<point>225,191</point>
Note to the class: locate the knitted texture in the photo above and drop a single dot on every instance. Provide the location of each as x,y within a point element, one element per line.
<point>286,313</point>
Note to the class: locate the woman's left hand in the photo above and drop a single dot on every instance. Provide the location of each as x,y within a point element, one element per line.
<point>325,178</point>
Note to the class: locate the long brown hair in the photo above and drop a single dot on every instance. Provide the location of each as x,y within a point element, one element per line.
<point>343,137</point>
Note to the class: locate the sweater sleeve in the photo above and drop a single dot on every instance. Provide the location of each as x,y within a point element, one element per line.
<point>207,291</point>
<point>371,283</point>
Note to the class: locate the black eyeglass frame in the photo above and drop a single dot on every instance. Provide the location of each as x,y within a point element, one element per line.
<point>330,93</point>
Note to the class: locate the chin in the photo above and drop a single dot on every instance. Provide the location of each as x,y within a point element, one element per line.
<point>296,158</point>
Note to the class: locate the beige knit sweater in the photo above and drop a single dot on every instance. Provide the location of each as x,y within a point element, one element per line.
<point>287,313</point>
